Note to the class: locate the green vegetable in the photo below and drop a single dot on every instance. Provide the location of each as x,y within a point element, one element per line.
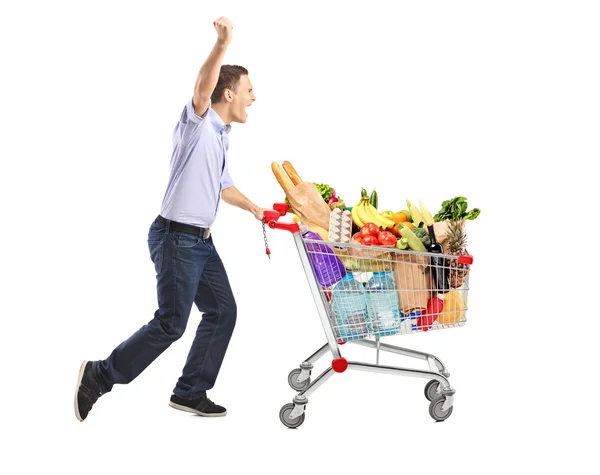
<point>289,204</point>
<point>456,209</point>
<point>413,241</point>
<point>325,190</point>
<point>423,235</point>
<point>402,243</point>
<point>374,199</point>
<point>363,193</point>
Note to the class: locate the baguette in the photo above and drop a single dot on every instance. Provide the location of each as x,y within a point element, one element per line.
<point>282,177</point>
<point>291,171</point>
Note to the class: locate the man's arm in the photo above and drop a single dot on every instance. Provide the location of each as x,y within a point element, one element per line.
<point>234,197</point>
<point>209,72</point>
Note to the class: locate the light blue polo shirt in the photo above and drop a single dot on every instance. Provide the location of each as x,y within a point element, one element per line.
<point>198,168</point>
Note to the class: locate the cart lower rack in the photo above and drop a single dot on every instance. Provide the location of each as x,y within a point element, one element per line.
<point>363,293</point>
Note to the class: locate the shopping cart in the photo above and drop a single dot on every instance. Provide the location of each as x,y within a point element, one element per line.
<point>363,293</point>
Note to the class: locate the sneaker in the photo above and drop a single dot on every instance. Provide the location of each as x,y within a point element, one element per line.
<point>202,407</point>
<point>87,391</point>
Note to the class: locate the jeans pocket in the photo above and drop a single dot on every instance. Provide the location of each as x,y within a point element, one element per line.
<point>183,240</point>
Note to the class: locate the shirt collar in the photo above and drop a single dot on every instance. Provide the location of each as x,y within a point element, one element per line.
<point>217,122</point>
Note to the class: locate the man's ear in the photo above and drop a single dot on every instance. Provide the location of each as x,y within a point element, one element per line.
<point>228,95</point>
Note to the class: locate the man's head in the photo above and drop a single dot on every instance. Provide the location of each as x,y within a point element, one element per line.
<point>232,94</point>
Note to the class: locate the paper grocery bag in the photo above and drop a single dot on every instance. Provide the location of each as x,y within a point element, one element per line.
<point>309,205</point>
<point>413,281</point>
<point>441,233</point>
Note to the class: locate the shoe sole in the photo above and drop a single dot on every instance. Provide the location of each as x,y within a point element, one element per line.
<point>179,407</point>
<point>81,371</point>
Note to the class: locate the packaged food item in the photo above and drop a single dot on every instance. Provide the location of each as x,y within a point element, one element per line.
<point>304,197</point>
<point>340,226</point>
<point>327,266</point>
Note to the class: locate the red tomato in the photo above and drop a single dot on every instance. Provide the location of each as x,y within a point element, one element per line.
<point>386,238</point>
<point>356,239</point>
<point>369,229</point>
<point>370,241</point>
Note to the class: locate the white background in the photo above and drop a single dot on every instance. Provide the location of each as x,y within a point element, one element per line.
<point>495,101</point>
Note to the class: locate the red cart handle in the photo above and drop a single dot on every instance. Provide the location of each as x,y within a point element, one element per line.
<point>271,217</point>
<point>465,259</point>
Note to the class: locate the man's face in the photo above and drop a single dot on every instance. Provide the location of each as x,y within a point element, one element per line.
<point>242,99</point>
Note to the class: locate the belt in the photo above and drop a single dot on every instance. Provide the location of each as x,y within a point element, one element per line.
<point>203,233</point>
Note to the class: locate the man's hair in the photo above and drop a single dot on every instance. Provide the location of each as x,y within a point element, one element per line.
<point>229,78</point>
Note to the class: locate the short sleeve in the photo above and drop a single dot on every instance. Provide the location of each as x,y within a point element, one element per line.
<point>191,113</point>
<point>190,124</point>
<point>227,181</point>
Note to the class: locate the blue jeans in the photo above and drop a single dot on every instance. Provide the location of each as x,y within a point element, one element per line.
<point>188,271</point>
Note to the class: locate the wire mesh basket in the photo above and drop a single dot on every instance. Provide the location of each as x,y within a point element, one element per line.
<point>383,291</point>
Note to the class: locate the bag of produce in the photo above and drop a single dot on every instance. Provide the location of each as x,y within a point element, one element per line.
<point>304,197</point>
<point>308,204</point>
<point>413,280</point>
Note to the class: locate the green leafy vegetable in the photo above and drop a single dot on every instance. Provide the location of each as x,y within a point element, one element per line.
<point>326,192</point>
<point>456,209</point>
<point>289,204</point>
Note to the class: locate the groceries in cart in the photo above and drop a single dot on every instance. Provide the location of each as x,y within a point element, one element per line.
<point>382,273</point>
<point>328,267</point>
<point>375,274</point>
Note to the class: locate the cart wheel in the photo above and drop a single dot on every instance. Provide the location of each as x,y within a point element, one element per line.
<point>435,409</point>
<point>430,390</point>
<point>284,417</point>
<point>298,386</point>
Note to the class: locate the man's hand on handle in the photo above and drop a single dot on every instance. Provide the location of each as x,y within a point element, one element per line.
<point>260,212</point>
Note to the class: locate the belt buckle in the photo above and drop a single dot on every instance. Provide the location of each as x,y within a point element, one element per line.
<point>206,234</point>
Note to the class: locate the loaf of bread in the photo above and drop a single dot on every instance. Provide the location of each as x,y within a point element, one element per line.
<point>291,171</point>
<point>282,177</point>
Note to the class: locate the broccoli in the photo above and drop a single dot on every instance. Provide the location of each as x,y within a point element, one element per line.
<point>423,236</point>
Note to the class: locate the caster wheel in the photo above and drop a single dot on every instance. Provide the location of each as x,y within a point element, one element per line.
<point>292,380</point>
<point>284,417</point>
<point>435,410</point>
<point>431,390</point>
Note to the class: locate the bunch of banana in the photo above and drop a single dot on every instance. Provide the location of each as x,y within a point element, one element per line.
<point>364,212</point>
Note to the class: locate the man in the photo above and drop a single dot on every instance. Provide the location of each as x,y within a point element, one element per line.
<point>188,268</point>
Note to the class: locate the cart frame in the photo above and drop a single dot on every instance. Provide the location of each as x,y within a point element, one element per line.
<point>438,390</point>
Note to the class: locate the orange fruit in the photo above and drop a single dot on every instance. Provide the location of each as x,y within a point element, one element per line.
<point>399,217</point>
<point>409,225</point>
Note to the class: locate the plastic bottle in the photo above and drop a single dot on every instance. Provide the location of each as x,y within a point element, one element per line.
<point>382,304</point>
<point>350,309</point>
<point>327,266</point>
